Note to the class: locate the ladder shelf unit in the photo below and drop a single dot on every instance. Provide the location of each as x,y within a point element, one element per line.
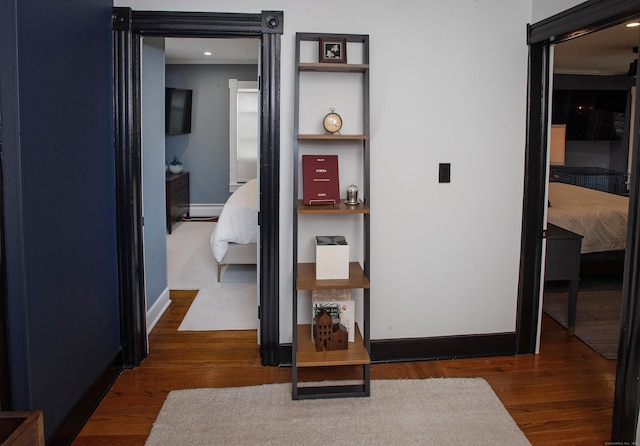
<point>304,354</point>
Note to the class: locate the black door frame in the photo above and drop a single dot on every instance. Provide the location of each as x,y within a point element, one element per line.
<point>128,29</point>
<point>586,17</point>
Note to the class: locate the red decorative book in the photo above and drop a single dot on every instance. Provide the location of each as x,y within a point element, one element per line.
<point>320,179</point>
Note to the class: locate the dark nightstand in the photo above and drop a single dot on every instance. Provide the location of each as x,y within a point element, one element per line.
<point>563,263</point>
<point>178,198</point>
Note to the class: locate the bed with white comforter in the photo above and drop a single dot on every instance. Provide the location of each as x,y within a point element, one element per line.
<point>600,217</point>
<point>234,239</point>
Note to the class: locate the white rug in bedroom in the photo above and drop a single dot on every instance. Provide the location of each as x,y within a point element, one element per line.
<point>230,304</point>
<point>190,261</point>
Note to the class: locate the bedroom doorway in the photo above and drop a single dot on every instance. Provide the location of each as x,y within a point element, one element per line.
<point>585,18</point>
<point>129,28</point>
<point>206,68</point>
<point>591,124</point>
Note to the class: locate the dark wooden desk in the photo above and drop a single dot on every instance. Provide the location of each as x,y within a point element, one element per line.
<point>563,263</point>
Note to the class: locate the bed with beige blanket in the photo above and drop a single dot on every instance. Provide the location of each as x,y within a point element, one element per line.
<point>600,217</point>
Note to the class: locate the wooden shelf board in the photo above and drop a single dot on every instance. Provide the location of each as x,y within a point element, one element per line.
<point>340,208</point>
<point>332,137</point>
<point>334,67</point>
<point>307,278</point>
<point>307,356</point>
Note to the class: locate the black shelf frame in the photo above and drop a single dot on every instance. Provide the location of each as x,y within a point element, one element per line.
<point>345,390</point>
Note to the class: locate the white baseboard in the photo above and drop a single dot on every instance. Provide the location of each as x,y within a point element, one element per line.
<point>235,186</point>
<point>205,210</point>
<point>157,310</point>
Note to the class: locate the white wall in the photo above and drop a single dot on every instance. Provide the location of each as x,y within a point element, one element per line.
<point>543,9</point>
<point>448,84</point>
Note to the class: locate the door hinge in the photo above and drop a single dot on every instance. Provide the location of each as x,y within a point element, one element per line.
<point>259,312</point>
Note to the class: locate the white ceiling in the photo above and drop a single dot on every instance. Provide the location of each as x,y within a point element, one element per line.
<point>180,50</point>
<point>605,52</point>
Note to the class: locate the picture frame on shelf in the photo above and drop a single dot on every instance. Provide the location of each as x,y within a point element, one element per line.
<point>332,50</point>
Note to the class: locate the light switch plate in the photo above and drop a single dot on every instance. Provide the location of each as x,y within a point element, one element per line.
<point>444,173</point>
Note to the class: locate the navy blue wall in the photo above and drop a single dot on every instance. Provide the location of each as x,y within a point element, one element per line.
<point>59,195</point>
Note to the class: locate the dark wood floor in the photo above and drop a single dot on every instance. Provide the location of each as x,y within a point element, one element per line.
<point>563,396</point>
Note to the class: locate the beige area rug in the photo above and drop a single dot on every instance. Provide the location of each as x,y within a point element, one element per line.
<point>597,318</point>
<point>451,411</point>
<point>230,304</point>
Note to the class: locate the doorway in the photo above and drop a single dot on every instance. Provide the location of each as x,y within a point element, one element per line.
<point>129,27</point>
<point>582,19</point>
<point>181,255</point>
<point>587,187</point>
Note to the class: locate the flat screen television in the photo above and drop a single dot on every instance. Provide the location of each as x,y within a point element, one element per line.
<point>177,111</point>
<point>591,115</point>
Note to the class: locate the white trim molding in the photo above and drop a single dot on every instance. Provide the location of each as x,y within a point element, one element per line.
<point>244,132</point>
<point>157,310</point>
<point>205,210</point>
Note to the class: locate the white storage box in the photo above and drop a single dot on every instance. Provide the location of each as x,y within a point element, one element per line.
<point>331,298</point>
<point>332,257</point>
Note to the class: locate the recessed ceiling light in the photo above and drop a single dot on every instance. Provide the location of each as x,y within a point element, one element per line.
<point>632,24</point>
<point>207,53</point>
